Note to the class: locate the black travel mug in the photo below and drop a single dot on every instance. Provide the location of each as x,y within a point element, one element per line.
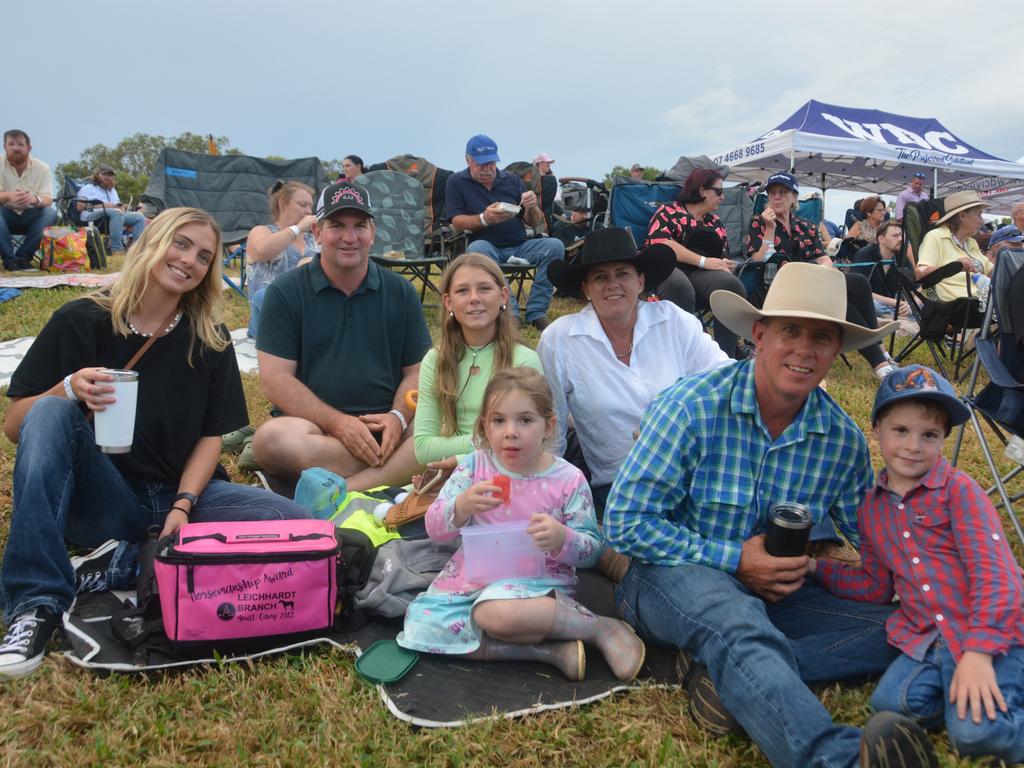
<point>789,527</point>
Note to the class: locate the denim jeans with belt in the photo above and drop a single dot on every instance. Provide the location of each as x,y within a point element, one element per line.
<point>761,656</point>
<point>920,689</point>
<point>64,488</point>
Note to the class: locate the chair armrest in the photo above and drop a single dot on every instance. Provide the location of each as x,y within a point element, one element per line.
<point>936,276</point>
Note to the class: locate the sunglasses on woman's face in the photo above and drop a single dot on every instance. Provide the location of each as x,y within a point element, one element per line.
<point>717,190</point>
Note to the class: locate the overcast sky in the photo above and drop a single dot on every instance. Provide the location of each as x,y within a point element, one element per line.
<point>593,83</point>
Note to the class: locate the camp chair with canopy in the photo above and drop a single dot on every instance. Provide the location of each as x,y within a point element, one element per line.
<point>397,202</point>
<point>232,188</point>
<point>1000,403</point>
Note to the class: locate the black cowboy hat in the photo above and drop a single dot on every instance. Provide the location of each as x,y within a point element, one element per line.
<point>601,246</point>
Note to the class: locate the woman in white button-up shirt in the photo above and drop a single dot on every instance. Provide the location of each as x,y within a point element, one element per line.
<point>608,361</point>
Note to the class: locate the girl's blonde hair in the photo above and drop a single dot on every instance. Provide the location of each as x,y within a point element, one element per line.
<point>452,347</point>
<point>201,305</point>
<point>523,379</point>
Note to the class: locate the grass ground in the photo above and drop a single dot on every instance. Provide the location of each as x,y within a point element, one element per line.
<point>313,709</point>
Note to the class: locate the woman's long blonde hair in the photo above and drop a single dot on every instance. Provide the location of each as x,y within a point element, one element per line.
<point>452,348</point>
<point>201,305</point>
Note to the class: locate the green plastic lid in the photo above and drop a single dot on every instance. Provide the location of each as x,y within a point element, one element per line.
<point>385,662</point>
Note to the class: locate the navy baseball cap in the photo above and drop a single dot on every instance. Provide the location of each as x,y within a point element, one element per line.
<point>343,195</point>
<point>482,149</point>
<point>788,180</point>
<point>918,381</point>
<point>1009,234</point>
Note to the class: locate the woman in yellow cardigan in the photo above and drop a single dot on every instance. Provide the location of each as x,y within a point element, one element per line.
<point>953,241</point>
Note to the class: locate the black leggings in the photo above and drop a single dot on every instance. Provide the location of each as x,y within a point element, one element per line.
<point>860,309</point>
<point>690,287</point>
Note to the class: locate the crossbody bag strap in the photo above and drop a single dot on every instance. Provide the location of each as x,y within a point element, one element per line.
<point>141,351</point>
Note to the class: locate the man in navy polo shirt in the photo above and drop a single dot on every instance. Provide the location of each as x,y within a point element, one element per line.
<point>339,346</point>
<point>473,199</point>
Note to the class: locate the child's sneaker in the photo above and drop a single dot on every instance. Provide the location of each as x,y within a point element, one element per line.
<point>24,645</point>
<point>91,569</point>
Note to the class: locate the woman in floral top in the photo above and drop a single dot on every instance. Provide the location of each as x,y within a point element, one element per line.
<point>699,241</point>
<point>276,248</point>
<point>776,235</point>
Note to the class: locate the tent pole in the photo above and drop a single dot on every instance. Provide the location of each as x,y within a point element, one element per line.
<point>822,197</point>
<point>935,182</point>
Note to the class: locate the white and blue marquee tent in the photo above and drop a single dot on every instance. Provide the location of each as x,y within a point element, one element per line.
<point>833,147</point>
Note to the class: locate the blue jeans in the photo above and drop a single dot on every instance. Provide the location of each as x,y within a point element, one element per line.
<point>761,656</point>
<point>31,224</point>
<point>539,251</point>
<point>920,689</point>
<point>255,307</point>
<point>118,221</point>
<point>64,488</point>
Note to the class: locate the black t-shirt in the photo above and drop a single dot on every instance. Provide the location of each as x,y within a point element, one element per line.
<point>178,403</point>
<point>884,278</point>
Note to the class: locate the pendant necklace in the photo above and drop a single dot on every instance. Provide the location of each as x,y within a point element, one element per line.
<point>474,369</point>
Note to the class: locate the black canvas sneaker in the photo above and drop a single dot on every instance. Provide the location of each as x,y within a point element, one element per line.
<point>24,645</point>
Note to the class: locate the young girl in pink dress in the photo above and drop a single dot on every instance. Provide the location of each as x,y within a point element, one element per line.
<point>523,619</point>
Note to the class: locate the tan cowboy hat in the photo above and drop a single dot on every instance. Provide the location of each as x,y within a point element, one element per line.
<point>799,290</point>
<point>960,201</point>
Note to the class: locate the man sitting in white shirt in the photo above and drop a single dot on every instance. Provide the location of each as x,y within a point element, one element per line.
<point>104,202</point>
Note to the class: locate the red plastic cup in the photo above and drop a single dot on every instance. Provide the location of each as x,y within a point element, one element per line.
<point>505,483</point>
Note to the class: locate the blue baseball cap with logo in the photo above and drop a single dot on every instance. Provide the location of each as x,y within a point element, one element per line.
<point>920,175</point>
<point>1009,234</point>
<point>920,382</point>
<point>788,180</point>
<point>483,149</point>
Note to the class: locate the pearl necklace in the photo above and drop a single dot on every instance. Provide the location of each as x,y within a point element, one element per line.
<point>167,330</point>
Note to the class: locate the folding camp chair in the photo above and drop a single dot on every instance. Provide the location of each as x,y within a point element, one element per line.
<point>440,238</point>
<point>756,276</point>
<point>234,255</point>
<point>579,196</point>
<point>97,230</point>
<point>1001,354</point>
<point>945,327</point>
<point>397,201</point>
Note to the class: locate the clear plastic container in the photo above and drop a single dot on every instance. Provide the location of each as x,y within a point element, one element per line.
<point>500,551</point>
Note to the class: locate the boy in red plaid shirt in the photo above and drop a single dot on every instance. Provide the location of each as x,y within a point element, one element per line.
<point>931,536</point>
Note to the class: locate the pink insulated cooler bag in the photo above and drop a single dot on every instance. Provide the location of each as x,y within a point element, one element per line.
<point>227,581</point>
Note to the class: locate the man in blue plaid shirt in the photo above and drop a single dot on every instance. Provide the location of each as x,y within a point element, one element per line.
<point>716,451</point>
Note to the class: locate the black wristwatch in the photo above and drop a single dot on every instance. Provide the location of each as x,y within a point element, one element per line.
<point>186,496</point>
